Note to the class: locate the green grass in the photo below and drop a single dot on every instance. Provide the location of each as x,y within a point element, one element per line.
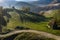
<point>40,26</point>
<point>35,26</point>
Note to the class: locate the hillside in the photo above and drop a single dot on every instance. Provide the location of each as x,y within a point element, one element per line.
<point>29,20</point>
<point>19,20</point>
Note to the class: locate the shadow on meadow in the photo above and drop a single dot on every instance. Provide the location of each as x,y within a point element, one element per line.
<point>3,22</point>
<point>30,16</point>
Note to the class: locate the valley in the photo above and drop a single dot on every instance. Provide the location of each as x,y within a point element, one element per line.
<point>30,20</point>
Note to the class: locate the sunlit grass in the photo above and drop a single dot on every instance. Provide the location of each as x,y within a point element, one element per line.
<point>40,26</point>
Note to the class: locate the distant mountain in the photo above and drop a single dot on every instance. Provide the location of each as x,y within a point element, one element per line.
<point>42,2</point>
<point>24,4</point>
<point>56,1</point>
<point>35,6</point>
<point>46,8</point>
<point>45,2</point>
<point>31,3</point>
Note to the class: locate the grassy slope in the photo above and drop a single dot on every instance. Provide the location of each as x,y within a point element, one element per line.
<point>41,26</point>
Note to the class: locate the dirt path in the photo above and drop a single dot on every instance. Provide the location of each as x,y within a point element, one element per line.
<point>33,31</point>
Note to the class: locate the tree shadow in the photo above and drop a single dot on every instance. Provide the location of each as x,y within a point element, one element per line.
<point>21,28</point>
<point>30,16</point>
<point>5,13</point>
<point>4,22</point>
<point>55,26</point>
<point>11,37</point>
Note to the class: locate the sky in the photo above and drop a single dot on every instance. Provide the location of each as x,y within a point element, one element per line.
<point>17,0</point>
<point>26,0</point>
